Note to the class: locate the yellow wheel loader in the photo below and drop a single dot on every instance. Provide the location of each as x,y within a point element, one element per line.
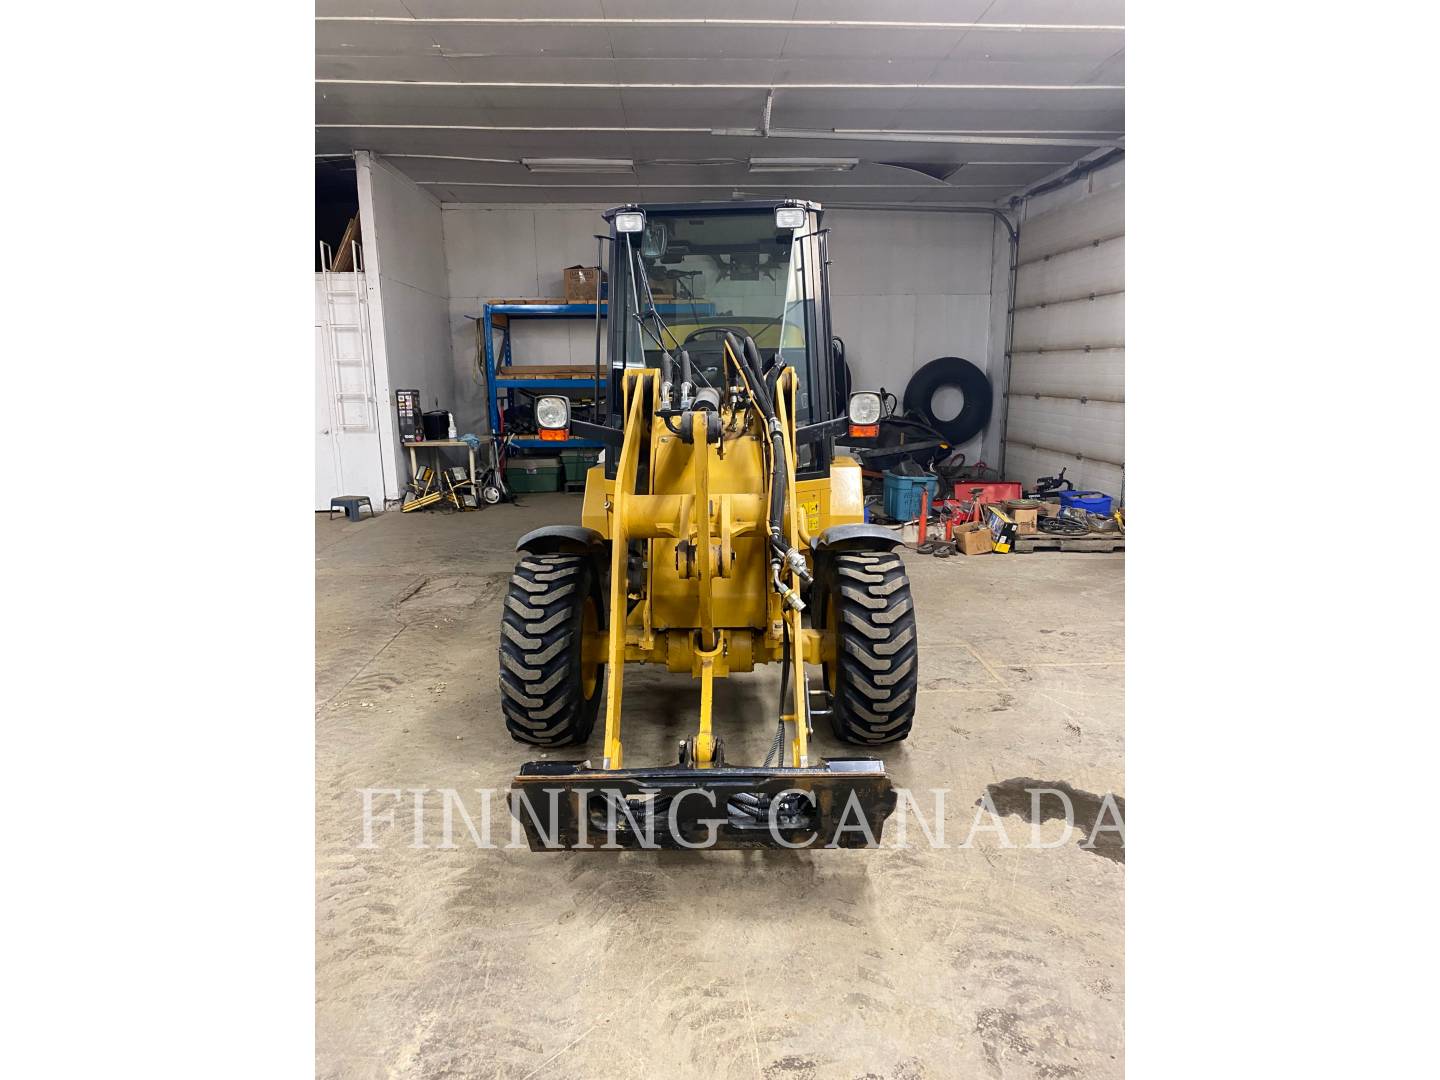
<point>722,531</point>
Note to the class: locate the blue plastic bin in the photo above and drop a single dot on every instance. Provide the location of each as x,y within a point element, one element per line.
<point>1096,502</point>
<point>902,495</point>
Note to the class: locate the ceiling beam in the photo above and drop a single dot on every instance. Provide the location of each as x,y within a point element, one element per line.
<point>485,84</point>
<point>746,182</point>
<point>520,127</point>
<point>872,135</point>
<point>683,162</point>
<point>852,24</point>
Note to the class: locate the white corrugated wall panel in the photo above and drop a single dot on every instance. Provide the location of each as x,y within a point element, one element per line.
<point>1100,217</point>
<point>1096,374</point>
<point>1093,429</point>
<point>1098,268</point>
<point>1098,323</point>
<point>1065,404</point>
<point>1086,475</point>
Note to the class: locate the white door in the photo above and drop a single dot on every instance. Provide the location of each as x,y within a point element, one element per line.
<point>347,415</point>
<point>327,450</point>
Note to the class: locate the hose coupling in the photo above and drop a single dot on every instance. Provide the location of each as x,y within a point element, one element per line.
<point>788,596</point>
<point>796,562</point>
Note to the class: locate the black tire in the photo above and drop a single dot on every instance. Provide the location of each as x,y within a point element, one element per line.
<point>964,376</point>
<point>865,595</point>
<point>548,694</point>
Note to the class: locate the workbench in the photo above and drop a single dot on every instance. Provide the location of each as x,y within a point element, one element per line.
<point>446,444</point>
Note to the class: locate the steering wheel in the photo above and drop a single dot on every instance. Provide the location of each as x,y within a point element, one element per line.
<point>700,331</point>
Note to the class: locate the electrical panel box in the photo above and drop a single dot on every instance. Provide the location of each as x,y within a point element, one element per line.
<point>407,406</point>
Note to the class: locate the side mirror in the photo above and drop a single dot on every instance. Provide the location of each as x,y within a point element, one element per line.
<point>657,239</point>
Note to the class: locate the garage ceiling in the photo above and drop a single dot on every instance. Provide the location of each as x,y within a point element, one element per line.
<point>941,102</point>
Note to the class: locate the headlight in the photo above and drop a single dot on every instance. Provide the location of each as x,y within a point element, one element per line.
<point>864,408</point>
<point>864,415</point>
<point>552,413</point>
<point>789,217</point>
<point>630,221</point>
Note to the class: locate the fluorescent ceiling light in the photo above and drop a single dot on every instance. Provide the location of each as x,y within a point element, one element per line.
<point>802,164</point>
<point>578,165</point>
<point>892,136</point>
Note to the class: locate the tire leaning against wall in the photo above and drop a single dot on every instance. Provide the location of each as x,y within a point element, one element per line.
<point>951,371</point>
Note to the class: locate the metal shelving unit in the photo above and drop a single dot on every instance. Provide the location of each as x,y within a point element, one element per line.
<point>501,312</point>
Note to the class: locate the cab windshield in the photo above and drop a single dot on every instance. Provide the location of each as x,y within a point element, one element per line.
<point>709,273</point>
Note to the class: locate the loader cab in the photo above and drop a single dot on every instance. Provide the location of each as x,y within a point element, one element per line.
<point>693,271</point>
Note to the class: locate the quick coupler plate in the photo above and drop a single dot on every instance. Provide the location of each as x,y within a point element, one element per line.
<point>572,806</point>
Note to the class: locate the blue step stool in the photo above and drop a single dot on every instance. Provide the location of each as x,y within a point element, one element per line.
<point>351,505</point>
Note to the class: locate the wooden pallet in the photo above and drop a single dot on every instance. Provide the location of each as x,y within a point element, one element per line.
<point>1096,542</point>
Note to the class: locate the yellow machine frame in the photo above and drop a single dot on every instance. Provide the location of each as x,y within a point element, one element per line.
<point>717,614</point>
<point>699,548</point>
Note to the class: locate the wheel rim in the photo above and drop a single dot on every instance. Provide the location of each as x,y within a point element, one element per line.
<point>589,630</point>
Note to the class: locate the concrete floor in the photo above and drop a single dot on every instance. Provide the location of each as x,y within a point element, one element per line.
<point>987,961</point>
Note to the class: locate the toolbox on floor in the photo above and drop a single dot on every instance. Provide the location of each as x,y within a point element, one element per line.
<point>994,491</point>
<point>526,476</point>
<point>1096,502</point>
<point>903,494</point>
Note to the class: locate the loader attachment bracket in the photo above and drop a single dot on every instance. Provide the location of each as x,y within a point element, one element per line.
<point>571,806</point>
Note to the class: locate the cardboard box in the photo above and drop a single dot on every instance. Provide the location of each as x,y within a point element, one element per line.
<point>1025,521</point>
<point>973,538</point>
<point>580,284</point>
<point>1050,508</point>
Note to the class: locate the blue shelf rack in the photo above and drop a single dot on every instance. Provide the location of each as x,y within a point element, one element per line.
<point>504,311</point>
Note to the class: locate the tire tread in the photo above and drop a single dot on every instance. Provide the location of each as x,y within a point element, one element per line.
<point>541,695</point>
<point>877,665</point>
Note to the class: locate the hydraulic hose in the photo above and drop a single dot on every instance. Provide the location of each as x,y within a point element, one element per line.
<point>749,357</point>
<point>763,401</point>
<point>777,439</point>
<point>688,395</point>
<point>777,745</point>
<point>784,554</point>
<point>687,382</point>
<point>667,372</point>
